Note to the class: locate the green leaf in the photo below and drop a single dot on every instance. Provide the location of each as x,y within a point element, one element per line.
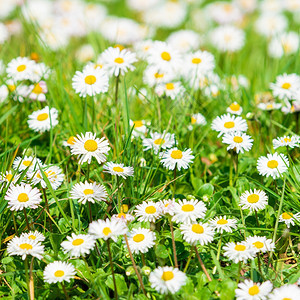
<point>120,282</point>
<point>228,289</point>
<point>206,190</point>
<point>161,251</point>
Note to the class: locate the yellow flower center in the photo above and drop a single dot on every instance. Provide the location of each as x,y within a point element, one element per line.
<point>287,140</point>
<point>269,106</point>
<point>166,56</point>
<point>11,87</point>
<point>118,169</point>
<point>253,198</point>
<point>287,216</point>
<point>150,210</point>
<point>77,242</point>
<point>138,123</point>
<point>229,124</point>
<point>8,177</point>
<point>121,47</point>
<point>272,164</point>
<point>90,79</point>
<point>222,222</point>
<point>37,89</point>
<point>240,248</point>
<point>176,154</point>
<point>197,228</point>
<point>119,60</point>
<point>32,237</point>
<point>59,273</point>
<point>238,139</point>
<point>88,192</point>
<point>167,275</point>
<point>71,140</point>
<point>42,117</point>
<point>287,299</point>
<point>158,75</point>
<point>106,231</point>
<point>23,197</point>
<point>90,145</point>
<point>170,86</point>
<point>121,215</point>
<point>21,68</point>
<point>138,238</point>
<point>98,66</point>
<point>235,107</point>
<point>27,163</point>
<point>25,246</point>
<point>187,207</point>
<point>254,290</point>
<point>159,141</point>
<point>286,85</point>
<point>193,120</point>
<point>258,245</point>
<point>196,60</point>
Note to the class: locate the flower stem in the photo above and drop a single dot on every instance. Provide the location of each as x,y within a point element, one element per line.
<point>239,272</point>
<point>26,218</point>
<point>14,220</point>
<point>230,170</point>
<point>218,253</point>
<point>188,261</point>
<point>174,187</point>
<point>173,243</point>
<point>202,264</point>
<point>112,269</point>
<point>31,281</point>
<point>47,208</point>
<point>27,276</point>
<point>65,291</point>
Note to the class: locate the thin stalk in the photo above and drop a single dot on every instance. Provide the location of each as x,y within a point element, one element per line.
<point>175,170</point>
<point>27,276</point>
<point>14,220</point>
<point>173,243</point>
<point>134,266</point>
<point>117,89</point>
<point>188,261</point>
<point>257,222</point>
<point>143,259</point>
<point>202,264</point>
<point>230,170</point>
<point>47,207</point>
<point>85,114</point>
<point>90,211</point>
<point>31,281</point>
<point>112,269</point>
<point>239,272</point>
<point>243,221</point>
<point>219,252</point>
<point>65,291</point>
<point>26,218</point>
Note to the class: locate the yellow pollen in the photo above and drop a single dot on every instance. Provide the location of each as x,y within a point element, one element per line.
<point>222,222</point>
<point>287,299</point>
<point>121,47</point>
<point>167,275</point>
<point>269,106</point>
<point>71,140</point>
<point>90,145</point>
<point>287,140</point>
<point>119,60</point>
<point>187,207</point>
<point>32,237</point>
<point>118,169</point>
<point>159,141</point>
<point>150,210</point>
<point>258,245</point>
<point>90,79</point>
<point>11,87</point>
<point>23,197</point>
<point>27,163</point>
<point>59,273</point>
<point>229,124</point>
<point>193,120</point>
<point>240,248</point>
<point>254,290</point>
<point>42,117</point>
<point>98,66</point>
<point>286,85</point>
<point>176,154</point>
<point>253,198</point>
<point>166,56</point>
<point>106,231</point>
<point>77,242</point>
<point>158,75</point>
<point>25,246</point>
<point>37,89</point>
<point>122,215</point>
<point>238,139</point>
<point>21,68</point>
<point>138,237</point>
<point>196,60</point>
<point>287,216</point>
<point>8,177</point>
<point>170,86</point>
<point>88,192</point>
<point>138,124</point>
<point>197,228</point>
<point>272,164</point>
<point>124,208</point>
<point>234,107</point>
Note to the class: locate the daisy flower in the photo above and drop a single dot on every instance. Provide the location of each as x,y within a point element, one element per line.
<point>167,279</point>
<point>23,246</point>
<point>118,61</point>
<point>59,271</point>
<point>20,68</point>
<point>43,120</point>
<point>172,90</point>
<point>148,211</point>
<point>198,119</point>
<point>222,224</point>
<point>167,206</point>
<point>288,291</point>
<point>118,169</point>
<point>238,141</point>
<point>159,141</point>
<point>33,235</point>
<point>228,123</point>
<point>37,91</point>
<point>69,142</point>
<point>141,240</point>
<point>286,86</point>
<point>235,109</point>
<point>175,158</point>
<point>153,75</point>
<point>53,173</point>
<point>21,196</point>
<point>260,243</point>
<point>249,290</point>
<point>90,192</point>
<point>286,141</point>
<point>197,233</point>
<point>269,106</point>
<point>29,162</point>
<point>122,217</point>
<point>91,81</point>
<point>139,127</point>
<point>87,145</point>
<point>78,244</point>
<point>9,176</point>
<point>272,165</point>
<point>289,218</point>
<point>239,251</point>
<point>254,200</point>
<point>105,229</point>
<point>188,211</point>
